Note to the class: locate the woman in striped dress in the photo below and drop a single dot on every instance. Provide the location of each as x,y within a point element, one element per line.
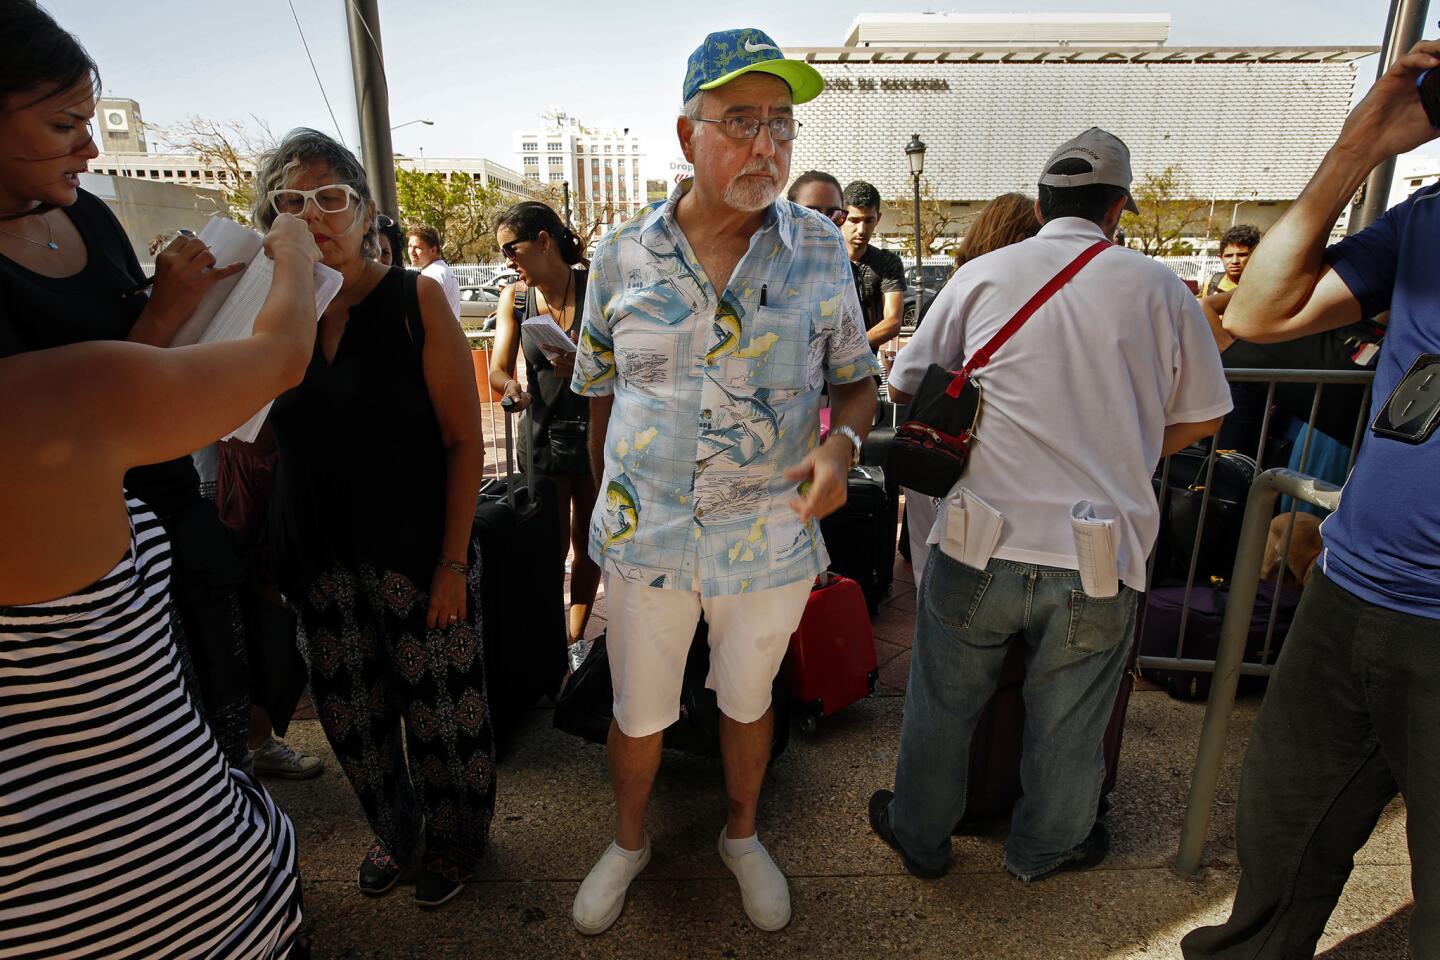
<point>123,832</point>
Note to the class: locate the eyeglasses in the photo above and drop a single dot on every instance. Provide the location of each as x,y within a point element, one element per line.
<point>331,198</point>
<point>835,215</point>
<point>508,249</point>
<point>781,129</point>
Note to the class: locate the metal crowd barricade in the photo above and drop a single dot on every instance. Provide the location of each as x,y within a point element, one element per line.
<point>1320,378</point>
<point>1233,631</point>
<point>1230,661</point>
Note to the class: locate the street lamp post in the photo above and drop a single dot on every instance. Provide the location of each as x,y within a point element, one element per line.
<point>915,153</point>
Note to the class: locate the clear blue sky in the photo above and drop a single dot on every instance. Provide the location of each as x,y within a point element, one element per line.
<point>483,70</point>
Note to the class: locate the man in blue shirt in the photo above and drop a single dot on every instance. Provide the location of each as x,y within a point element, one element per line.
<point>711,320</point>
<point>1353,712</point>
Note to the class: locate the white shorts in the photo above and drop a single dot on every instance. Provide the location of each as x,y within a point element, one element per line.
<point>648,636</point>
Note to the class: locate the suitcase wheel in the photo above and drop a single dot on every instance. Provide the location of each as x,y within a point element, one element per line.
<point>810,714</point>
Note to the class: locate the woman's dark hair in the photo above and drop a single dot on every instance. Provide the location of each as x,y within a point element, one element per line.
<point>526,220</point>
<point>38,56</point>
<point>1090,202</point>
<point>390,230</point>
<point>812,176</point>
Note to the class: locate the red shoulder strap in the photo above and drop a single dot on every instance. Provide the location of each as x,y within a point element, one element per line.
<point>983,355</point>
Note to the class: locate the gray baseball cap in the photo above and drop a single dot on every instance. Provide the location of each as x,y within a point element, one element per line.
<point>1109,161</point>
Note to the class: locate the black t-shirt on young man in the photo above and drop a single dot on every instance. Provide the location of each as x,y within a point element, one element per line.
<point>877,273</point>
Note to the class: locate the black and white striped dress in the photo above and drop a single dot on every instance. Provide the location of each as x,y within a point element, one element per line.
<point>123,833</point>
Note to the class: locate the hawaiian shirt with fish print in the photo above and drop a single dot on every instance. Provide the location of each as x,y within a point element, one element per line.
<point>716,394</point>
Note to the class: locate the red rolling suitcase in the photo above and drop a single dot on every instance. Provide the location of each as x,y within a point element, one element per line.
<point>832,660</point>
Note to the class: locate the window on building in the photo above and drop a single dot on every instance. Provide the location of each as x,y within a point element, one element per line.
<point>530,145</point>
<point>155,174</point>
<point>607,148</point>
<point>1416,183</point>
<point>554,146</point>
<point>579,148</point>
<point>556,177</point>
<point>532,161</point>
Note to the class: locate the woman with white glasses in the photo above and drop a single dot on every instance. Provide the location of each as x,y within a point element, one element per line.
<point>380,456</point>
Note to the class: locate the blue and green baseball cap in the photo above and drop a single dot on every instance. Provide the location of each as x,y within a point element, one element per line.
<point>727,54</point>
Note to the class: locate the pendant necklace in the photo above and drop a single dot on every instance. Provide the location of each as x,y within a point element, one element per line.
<point>49,241</point>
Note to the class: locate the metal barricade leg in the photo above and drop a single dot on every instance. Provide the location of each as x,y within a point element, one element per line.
<point>1235,627</point>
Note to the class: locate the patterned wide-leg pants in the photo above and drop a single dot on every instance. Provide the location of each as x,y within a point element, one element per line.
<point>374,663</point>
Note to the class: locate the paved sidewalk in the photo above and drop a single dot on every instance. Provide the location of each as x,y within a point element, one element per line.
<point>852,898</point>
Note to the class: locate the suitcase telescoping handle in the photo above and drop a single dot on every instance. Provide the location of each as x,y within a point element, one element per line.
<point>508,405</point>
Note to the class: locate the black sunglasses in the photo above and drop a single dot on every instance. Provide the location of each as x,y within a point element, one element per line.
<point>835,215</point>
<point>508,249</point>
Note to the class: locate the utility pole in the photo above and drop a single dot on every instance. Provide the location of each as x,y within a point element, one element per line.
<point>1403,30</point>
<point>566,185</point>
<point>372,102</point>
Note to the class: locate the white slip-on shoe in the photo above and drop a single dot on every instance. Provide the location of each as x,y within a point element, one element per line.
<point>763,888</point>
<point>601,896</point>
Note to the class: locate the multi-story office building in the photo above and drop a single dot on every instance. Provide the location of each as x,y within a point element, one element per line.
<point>601,165</point>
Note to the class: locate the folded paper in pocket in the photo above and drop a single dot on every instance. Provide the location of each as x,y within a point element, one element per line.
<point>971,529</point>
<point>1095,548</point>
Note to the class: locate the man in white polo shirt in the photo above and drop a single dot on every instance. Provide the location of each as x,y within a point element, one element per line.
<point>423,245</point>
<point>1115,370</point>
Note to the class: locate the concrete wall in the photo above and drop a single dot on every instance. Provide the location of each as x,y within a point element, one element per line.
<point>146,208</point>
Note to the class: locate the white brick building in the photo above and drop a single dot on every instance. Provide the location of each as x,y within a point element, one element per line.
<point>601,164</point>
<point>1246,127</point>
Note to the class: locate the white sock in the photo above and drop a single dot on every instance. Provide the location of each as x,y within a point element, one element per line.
<point>742,846</point>
<point>632,855</point>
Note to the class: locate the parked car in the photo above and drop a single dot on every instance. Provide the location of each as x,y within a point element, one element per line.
<point>935,275</point>
<point>477,306</point>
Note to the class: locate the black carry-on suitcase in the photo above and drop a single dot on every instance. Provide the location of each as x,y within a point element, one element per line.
<point>860,536</point>
<point>522,576</point>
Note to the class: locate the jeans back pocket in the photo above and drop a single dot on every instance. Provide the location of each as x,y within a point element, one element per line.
<point>1098,624</point>
<point>952,590</point>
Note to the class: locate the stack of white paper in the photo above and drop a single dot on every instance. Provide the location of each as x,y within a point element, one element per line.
<point>228,310</point>
<point>548,335</point>
<point>971,529</point>
<point>1095,551</point>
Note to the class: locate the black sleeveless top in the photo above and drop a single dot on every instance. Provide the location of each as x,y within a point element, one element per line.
<point>550,395</point>
<point>360,476</point>
<point>39,312</point>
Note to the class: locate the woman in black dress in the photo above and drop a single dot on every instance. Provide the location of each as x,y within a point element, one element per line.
<point>548,256</point>
<point>380,457</point>
<point>65,266</point>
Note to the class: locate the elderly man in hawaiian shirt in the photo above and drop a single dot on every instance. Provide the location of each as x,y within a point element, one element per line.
<point>711,321</point>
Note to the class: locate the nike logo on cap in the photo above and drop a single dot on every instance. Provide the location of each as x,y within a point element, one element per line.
<point>752,47</point>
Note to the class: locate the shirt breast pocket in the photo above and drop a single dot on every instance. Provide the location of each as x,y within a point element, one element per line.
<point>776,346</point>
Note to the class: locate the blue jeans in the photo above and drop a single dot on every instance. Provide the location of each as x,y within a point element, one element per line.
<point>1351,718</point>
<point>1075,652</point>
